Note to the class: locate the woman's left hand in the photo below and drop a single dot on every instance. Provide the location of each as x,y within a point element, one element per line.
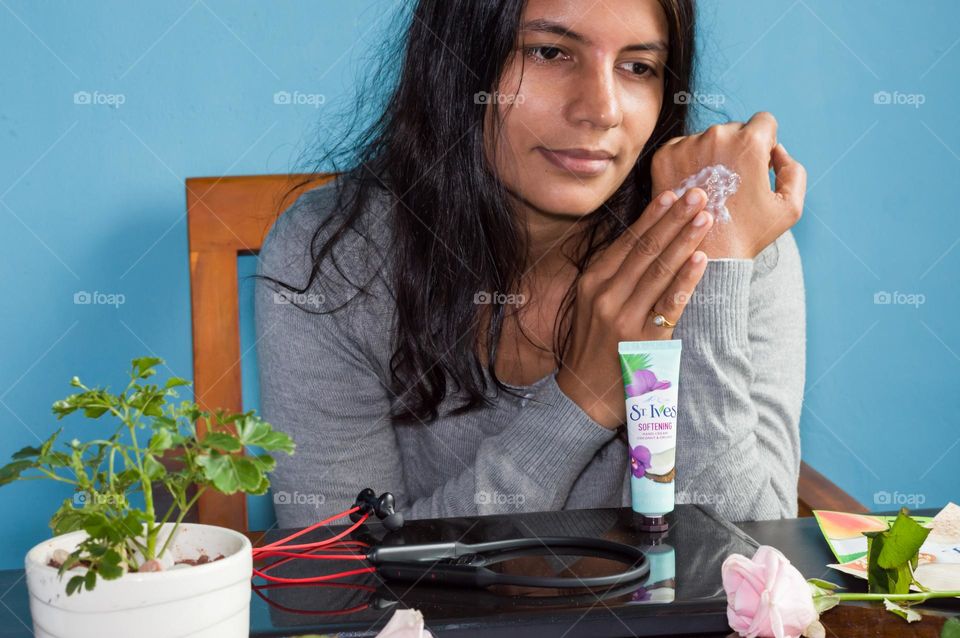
<point>758,214</point>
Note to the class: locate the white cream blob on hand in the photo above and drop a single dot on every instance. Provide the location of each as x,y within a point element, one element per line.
<point>719,182</point>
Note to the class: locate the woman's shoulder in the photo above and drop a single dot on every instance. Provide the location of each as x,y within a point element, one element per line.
<point>360,252</point>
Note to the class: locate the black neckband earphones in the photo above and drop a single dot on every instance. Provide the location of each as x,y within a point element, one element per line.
<point>463,564</point>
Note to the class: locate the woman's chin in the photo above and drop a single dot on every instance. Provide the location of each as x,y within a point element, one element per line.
<point>557,206</point>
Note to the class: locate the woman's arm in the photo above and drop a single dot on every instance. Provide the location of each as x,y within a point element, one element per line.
<point>319,385</point>
<point>741,385</point>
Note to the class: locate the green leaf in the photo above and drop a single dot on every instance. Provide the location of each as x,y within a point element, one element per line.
<point>902,541</point>
<point>94,411</point>
<point>161,440</point>
<point>248,473</point>
<point>11,471</point>
<point>67,519</point>
<point>230,473</point>
<point>27,452</point>
<point>265,462</point>
<point>62,408</point>
<point>143,367</point>
<point>904,612</point>
<point>824,584</point>
<point>90,580</point>
<point>823,603</point>
<point>951,628</point>
<point>253,430</point>
<point>174,382</point>
<point>892,555</point>
<point>109,565</point>
<point>153,468</point>
<point>222,441</point>
<point>74,585</point>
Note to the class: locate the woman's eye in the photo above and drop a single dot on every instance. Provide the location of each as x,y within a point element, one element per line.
<point>639,68</point>
<point>546,54</point>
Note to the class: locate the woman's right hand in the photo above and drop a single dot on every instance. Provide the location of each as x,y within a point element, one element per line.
<point>653,265</point>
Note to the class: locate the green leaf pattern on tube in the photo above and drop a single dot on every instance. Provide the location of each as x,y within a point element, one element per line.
<point>651,381</point>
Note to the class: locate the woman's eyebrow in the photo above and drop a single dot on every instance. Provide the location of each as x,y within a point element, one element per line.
<point>548,26</point>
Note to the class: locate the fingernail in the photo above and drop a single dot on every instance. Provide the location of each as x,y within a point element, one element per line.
<point>668,198</point>
<point>694,197</point>
<point>701,219</point>
<point>699,257</point>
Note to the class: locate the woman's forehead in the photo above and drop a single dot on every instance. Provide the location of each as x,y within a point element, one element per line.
<point>606,23</point>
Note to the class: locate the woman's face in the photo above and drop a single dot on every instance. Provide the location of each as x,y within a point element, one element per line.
<point>591,91</point>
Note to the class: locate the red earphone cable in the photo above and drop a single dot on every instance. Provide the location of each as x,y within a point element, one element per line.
<point>278,548</point>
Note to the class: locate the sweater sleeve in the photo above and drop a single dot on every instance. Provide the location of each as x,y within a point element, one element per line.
<point>741,385</point>
<point>320,384</point>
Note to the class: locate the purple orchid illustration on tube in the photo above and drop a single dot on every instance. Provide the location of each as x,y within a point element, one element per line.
<point>644,381</point>
<point>639,460</point>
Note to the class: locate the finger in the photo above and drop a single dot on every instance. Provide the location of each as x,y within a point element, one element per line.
<point>677,296</point>
<point>765,125</point>
<point>654,282</point>
<point>612,257</point>
<point>647,250</point>
<point>791,182</point>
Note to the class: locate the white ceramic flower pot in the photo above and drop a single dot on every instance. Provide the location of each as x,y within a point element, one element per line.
<point>201,601</point>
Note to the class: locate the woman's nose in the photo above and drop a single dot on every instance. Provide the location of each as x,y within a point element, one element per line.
<point>596,100</point>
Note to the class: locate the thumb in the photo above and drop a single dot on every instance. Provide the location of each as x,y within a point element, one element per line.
<point>791,181</point>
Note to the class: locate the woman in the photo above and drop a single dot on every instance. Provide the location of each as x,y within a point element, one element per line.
<point>442,321</point>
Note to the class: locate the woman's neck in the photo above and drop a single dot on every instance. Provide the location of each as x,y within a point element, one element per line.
<point>552,237</point>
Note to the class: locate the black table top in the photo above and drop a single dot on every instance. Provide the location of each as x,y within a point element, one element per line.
<point>697,543</point>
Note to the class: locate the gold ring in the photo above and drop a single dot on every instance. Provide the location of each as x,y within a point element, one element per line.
<point>660,320</point>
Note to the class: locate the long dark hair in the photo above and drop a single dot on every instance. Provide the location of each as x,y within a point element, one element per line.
<point>454,231</point>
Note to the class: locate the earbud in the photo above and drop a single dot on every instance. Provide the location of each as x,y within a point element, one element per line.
<point>384,507</point>
<point>366,501</point>
<point>386,511</point>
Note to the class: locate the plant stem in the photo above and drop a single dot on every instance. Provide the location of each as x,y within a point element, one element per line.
<point>51,474</point>
<point>920,596</point>
<point>183,512</point>
<point>152,529</point>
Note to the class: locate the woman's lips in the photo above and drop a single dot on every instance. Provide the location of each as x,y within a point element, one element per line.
<point>577,161</point>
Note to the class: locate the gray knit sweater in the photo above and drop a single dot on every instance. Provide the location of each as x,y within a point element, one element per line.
<point>324,380</point>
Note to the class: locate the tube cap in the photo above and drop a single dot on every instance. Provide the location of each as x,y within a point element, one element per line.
<point>654,524</point>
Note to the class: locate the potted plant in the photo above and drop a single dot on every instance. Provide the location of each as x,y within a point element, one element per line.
<point>116,565</point>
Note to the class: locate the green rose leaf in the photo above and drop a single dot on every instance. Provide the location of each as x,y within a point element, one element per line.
<point>904,612</point>
<point>892,555</point>
<point>951,628</point>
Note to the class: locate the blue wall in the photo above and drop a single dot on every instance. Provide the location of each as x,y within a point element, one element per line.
<point>92,200</point>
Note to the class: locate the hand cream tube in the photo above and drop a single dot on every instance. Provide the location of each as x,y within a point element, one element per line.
<point>651,382</point>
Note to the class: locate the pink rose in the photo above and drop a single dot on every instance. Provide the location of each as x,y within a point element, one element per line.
<point>767,596</point>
